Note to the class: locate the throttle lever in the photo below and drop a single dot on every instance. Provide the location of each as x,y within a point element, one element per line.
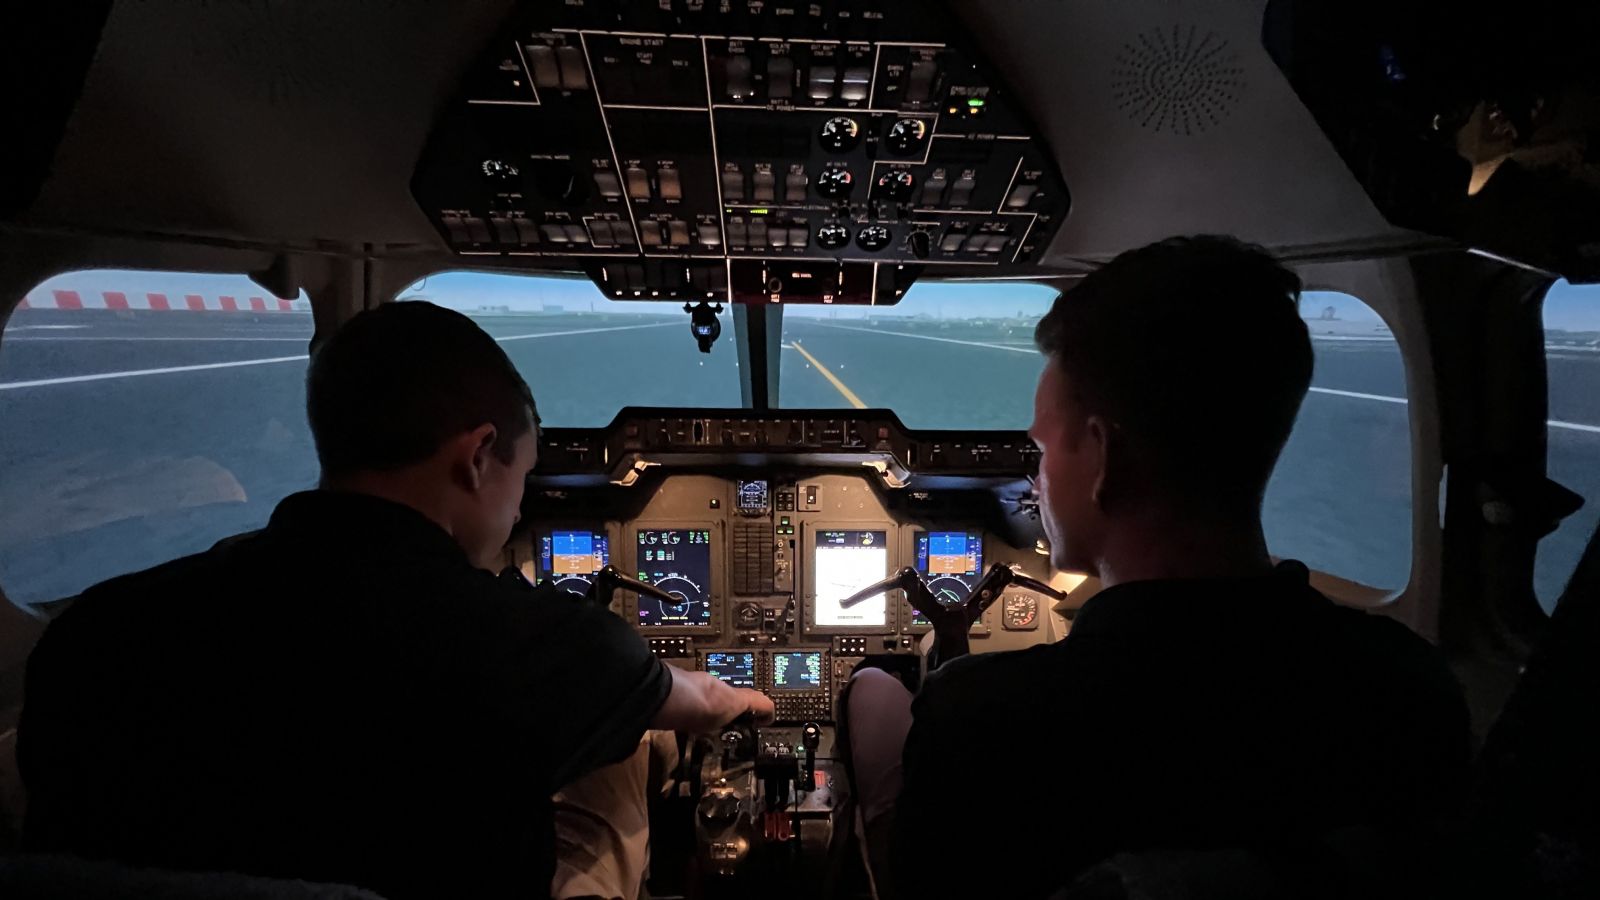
<point>609,579</point>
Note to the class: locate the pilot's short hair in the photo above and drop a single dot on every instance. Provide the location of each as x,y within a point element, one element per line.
<point>393,384</point>
<point>1194,349</point>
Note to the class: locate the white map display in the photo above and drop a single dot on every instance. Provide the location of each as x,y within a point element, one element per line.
<point>840,572</point>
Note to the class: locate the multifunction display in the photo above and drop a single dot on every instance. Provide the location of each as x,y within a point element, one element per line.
<point>951,563</point>
<point>797,671</point>
<point>679,561</point>
<point>737,669</point>
<point>845,562</point>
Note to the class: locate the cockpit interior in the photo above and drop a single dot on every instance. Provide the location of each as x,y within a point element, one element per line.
<point>771,270</point>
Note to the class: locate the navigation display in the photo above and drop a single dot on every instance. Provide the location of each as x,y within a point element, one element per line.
<point>678,560</point>
<point>570,559</point>
<point>845,562</point>
<point>951,562</point>
<point>737,669</point>
<point>797,671</point>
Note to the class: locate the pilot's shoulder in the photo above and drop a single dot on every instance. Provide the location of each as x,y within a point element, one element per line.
<point>1391,653</point>
<point>975,677</point>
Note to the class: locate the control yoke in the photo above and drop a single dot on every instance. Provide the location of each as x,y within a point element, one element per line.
<point>609,579</point>
<point>994,583</point>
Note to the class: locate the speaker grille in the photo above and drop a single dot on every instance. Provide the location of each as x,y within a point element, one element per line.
<point>1177,80</point>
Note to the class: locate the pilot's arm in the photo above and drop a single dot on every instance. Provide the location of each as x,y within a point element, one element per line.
<point>700,702</point>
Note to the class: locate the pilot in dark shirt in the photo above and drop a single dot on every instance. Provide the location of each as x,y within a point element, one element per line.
<point>1204,699</point>
<point>349,695</point>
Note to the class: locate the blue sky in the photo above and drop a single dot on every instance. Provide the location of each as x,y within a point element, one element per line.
<point>1572,307</point>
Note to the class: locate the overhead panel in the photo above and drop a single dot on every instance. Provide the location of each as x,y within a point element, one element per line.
<point>754,148</point>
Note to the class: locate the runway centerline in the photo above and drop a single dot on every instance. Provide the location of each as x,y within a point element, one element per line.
<point>849,395</point>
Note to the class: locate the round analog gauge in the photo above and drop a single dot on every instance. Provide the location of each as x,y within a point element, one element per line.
<point>840,134</point>
<point>499,170</point>
<point>1021,611</point>
<point>832,237</point>
<point>874,237</point>
<point>835,182</point>
<point>897,184</point>
<point>906,135</point>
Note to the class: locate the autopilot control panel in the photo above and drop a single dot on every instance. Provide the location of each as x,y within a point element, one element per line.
<point>740,149</point>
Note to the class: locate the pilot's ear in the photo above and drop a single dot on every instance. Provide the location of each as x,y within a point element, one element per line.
<point>1098,449</point>
<point>478,450</point>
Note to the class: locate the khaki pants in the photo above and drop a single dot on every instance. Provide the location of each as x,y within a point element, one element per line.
<point>602,824</point>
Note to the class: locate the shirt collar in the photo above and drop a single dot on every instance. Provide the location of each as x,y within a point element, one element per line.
<point>1187,604</point>
<point>364,520</point>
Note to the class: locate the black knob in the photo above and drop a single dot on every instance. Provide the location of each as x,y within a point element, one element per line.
<point>811,736</point>
<point>832,237</point>
<point>874,237</point>
<point>921,244</point>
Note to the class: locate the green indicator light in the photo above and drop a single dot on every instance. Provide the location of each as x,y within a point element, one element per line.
<point>759,211</point>
<point>975,101</point>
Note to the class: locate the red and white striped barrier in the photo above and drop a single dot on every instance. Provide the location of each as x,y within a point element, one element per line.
<point>59,299</point>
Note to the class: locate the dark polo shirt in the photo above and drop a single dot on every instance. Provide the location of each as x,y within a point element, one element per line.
<point>1226,713</point>
<point>340,697</point>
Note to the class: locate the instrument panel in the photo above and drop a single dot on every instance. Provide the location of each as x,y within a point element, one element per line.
<point>761,561</point>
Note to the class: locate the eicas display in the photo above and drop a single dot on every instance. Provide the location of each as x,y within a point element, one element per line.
<point>677,560</point>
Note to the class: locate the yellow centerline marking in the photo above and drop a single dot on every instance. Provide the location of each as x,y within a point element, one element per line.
<point>832,378</point>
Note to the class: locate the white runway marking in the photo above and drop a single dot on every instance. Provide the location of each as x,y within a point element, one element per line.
<point>135,373</point>
<point>1380,398</point>
<point>233,364</point>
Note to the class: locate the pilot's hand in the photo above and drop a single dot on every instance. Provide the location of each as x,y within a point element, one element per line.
<point>760,706</point>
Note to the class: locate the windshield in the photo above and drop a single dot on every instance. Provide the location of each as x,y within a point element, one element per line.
<point>1572,366</point>
<point>585,356</point>
<point>956,355</point>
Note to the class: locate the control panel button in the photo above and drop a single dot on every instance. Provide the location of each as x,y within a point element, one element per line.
<point>953,241</point>
<point>678,233</point>
<point>576,233</point>
<point>1021,196</point>
<point>765,187</point>
<point>710,235</point>
<point>527,231</point>
<point>671,187</point>
<point>780,78</point>
<point>554,233</point>
<point>732,185</point>
<point>874,238</point>
<point>794,187</point>
<point>799,235</point>
<point>777,237</point>
<point>574,74</point>
<point>758,232</point>
<point>740,87</point>
<point>961,190</point>
<point>504,231</point>
<point>542,59</point>
<point>606,181</point>
<point>650,233</point>
<point>600,234</point>
<point>622,233</point>
<point>822,79</point>
<point>457,230</point>
<point>477,230</point>
<point>832,237</point>
<point>857,83</point>
<point>919,86</point>
<point>638,183</point>
<point>738,235</point>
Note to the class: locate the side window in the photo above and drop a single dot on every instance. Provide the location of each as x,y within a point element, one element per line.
<point>1340,500</point>
<point>144,416</point>
<point>1572,365</point>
